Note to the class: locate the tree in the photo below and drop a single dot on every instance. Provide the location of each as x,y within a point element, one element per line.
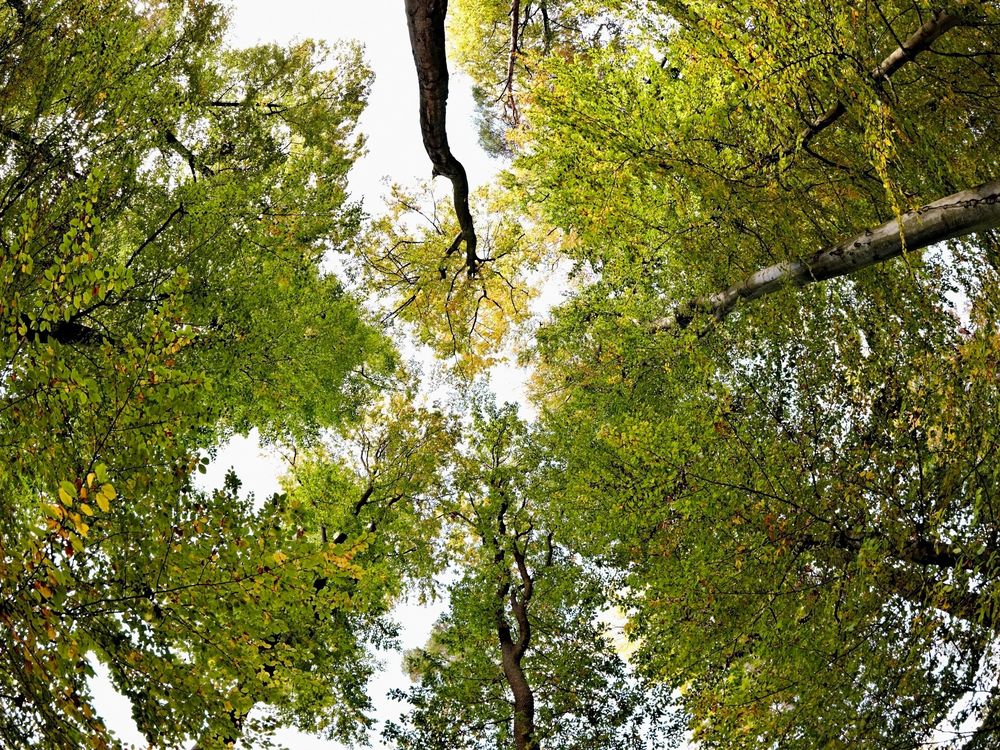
<point>803,494</point>
<point>468,319</point>
<point>165,205</point>
<point>520,659</point>
<point>789,493</point>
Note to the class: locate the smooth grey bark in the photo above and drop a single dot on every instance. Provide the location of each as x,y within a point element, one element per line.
<point>957,215</point>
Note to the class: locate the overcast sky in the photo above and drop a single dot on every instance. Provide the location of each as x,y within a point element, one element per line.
<point>390,122</point>
<point>395,151</point>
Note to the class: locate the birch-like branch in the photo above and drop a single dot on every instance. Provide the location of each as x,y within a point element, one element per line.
<point>957,215</point>
<point>919,41</point>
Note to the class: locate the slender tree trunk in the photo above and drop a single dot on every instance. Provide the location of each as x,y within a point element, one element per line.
<point>512,650</point>
<point>515,27</point>
<point>959,214</point>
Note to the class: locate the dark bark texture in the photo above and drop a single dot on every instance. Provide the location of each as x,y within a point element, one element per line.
<point>425,21</point>
<point>513,646</point>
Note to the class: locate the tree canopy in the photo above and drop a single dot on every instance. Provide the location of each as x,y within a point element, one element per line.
<point>756,505</point>
<point>166,205</point>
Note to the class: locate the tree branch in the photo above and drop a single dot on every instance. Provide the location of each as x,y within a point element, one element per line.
<point>519,604</point>
<point>180,148</point>
<point>515,27</point>
<point>957,215</point>
<point>20,9</point>
<point>425,21</point>
<point>919,41</point>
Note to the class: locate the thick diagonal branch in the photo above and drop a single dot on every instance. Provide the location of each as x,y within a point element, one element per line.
<point>959,214</point>
<point>919,41</point>
<point>425,20</point>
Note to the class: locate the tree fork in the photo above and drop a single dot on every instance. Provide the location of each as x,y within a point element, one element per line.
<point>960,214</point>
<point>919,41</point>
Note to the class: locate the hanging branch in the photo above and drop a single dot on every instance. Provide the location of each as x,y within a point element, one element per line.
<point>425,21</point>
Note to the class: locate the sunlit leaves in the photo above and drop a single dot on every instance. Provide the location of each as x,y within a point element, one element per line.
<point>411,263</point>
<point>798,493</point>
<point>166,207</point>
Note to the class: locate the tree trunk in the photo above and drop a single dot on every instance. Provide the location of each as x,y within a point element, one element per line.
<point>512,650</point>
<point>524,698</point>
<point>425,21</point>
<point>959,214</point>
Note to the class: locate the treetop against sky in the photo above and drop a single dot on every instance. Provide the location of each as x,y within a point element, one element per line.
<point>746,253</point>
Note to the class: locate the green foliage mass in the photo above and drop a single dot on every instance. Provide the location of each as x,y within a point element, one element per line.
<point>166,204</point>
<point>776,529</point>
<point>803,496</point>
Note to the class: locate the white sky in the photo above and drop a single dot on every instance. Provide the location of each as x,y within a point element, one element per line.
<point>394,150</point>
<point>390,122</point>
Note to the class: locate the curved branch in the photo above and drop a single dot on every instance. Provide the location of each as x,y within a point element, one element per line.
<point>425,21</point>
<point>957,215</point>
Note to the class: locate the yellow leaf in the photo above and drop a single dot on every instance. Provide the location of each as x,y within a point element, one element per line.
<point>279,557</point>
<point>66,498</point>
<point>86,509</point>
<point>90,479</point>
<point>109,492</point>
<point>102,502</point>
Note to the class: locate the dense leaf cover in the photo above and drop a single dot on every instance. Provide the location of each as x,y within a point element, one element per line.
<point>772,523</point>
<point>165,207</point>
